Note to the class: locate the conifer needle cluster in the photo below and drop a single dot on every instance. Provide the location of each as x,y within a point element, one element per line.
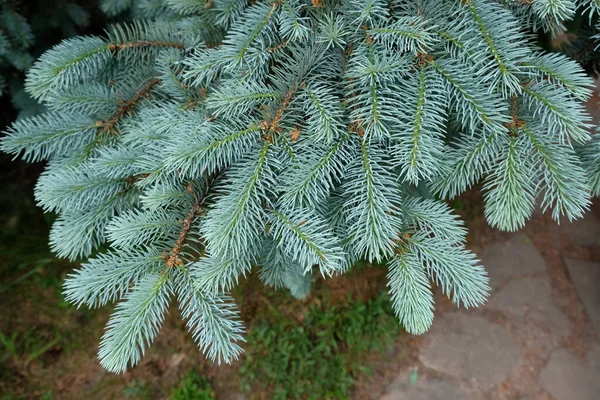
<point>290,138</point>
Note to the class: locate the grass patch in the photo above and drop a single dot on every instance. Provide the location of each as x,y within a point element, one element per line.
<point>193,386</point>
<point>319,355</point>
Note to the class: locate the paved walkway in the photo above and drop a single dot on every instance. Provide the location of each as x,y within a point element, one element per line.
<point>535,339</point>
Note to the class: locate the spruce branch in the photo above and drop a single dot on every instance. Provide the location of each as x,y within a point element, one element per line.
<point>412,298</point>
<point>510,196</point>
<point>127,107</point>
<point>564,181</point>
<point>213,320</point>
<point>135,323</point>
<point>306,240</point>
<point>116,47</point>
<point>173,259</point>
<point>560,114</point>
<point>118,271</point>
<point>288,136</point>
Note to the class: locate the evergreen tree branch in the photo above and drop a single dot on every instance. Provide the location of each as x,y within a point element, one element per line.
<point>135,323</point>
<point>213,320</point>
<point>306,240</point>
<point>564,180</point>
<point>127,107</point>
<point>411,292</point>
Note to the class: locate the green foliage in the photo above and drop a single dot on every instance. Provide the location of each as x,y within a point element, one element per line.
<point>138,9</point>
<point>11,396</point>
<point>209,139</point>
<point>193,387</point>
<point>320,356</point>
<point>137,389</point>
<point>26,30</point>
<point>23,348</point>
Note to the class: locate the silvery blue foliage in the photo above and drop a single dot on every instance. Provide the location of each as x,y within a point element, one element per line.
<point>297,138</point>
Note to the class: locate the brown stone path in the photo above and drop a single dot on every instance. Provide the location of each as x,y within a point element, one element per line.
<point>535,339</point>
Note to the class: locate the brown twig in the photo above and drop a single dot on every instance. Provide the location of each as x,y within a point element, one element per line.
<point>127,107</point>
<point>272,127</point>
<point>173,259</point>
<point>143,43</point>
<point>515,123</point>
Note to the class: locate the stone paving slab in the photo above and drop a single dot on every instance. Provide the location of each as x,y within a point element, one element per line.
<point>470,347</point>
<point>472,355</point>
<point>586,277</point>
<point>569,377</point>
<point>425,389</point>
<point>531,297</point>
<point>516,257</point>
<point>584,232</point>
